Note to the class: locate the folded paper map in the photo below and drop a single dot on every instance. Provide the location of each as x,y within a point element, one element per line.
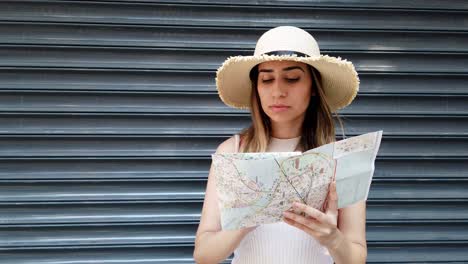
<point>256,188</point>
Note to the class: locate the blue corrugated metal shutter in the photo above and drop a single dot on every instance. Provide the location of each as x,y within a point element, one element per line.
<point>108,114</point>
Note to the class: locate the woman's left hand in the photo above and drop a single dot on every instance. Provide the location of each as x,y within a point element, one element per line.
<point>322,226</point>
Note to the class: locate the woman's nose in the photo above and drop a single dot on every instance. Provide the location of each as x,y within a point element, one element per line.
<point>277,90</point>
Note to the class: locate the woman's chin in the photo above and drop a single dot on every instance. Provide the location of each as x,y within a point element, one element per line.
<point>282,118</point>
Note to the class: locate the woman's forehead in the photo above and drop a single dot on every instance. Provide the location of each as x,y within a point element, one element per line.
<point>279,65</point>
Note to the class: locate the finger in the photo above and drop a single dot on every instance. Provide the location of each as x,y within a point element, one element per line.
<point>332,204</point>
<point>303,227</point>
<point>304,220</point>
<point>324,205</point>
<point>310,211</point>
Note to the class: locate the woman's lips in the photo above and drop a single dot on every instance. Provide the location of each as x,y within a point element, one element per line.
<point>279,108</point>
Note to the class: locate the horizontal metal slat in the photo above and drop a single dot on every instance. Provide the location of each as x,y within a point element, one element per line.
<point>111,124</point>
<point>413,83</point>
<point>404,125</point>
<point>97,235</point>
<point>425,233</point>
<point>198,146</point>
<point>239,16</point>
<point>183,254</point>
<point>183,211</point>
<point>94,213</point>
<point>186,190</point>
<point>85,169</point>
<point>417,190</point>
<point>47,236</point>
<point>107,191</point>
<point>202,81</point>
<point>419,253</point>
<point>118,103</point>
<point>119,255</point>
<point>136,125</point>
<point>416,212</point>
<point>111,80</point>
<point>419,168</point>
<point>59,102</point>
<point>203,59</point>
<point>415,4</point>
<point>222,38</point>
<point>89,169</point>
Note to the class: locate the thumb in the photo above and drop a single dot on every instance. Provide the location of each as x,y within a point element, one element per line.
<point>332,204</point>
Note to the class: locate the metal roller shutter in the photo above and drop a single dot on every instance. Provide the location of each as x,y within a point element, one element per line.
<point>108,115</point>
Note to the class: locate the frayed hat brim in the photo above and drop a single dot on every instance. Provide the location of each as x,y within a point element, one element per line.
<point>340,80</point>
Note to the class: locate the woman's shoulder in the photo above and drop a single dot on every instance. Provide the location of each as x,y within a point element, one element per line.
<point>229,145</point>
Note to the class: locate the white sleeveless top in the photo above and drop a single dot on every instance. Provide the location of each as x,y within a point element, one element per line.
<point>279,242</point>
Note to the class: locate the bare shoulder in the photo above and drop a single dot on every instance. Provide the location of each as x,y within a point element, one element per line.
<point>227,146</point>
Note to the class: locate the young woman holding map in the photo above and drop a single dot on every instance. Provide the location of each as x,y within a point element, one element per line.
<point>292,91</point>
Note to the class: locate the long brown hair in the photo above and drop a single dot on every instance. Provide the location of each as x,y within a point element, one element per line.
<point>318,127</point>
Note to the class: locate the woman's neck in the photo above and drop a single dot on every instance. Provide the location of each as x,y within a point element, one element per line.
<point>286,130</point>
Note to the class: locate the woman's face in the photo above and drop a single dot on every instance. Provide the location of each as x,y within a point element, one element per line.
<point>285,88</point>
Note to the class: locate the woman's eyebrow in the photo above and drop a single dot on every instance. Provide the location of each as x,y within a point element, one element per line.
<point>293,68</point>
<point>285,69</point>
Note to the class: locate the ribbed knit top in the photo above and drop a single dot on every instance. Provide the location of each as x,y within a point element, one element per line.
<point>279,242</point>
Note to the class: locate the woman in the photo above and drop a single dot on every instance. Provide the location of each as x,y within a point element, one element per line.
<point>291,91</point>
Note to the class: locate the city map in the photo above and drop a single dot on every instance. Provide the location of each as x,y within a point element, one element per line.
<point>256,188</point>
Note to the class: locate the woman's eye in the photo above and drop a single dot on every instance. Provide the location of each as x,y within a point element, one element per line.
<point>291,80</point>
<point>267,81</point>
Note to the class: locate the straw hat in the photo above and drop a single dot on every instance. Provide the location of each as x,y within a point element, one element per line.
<point>340,80</point>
